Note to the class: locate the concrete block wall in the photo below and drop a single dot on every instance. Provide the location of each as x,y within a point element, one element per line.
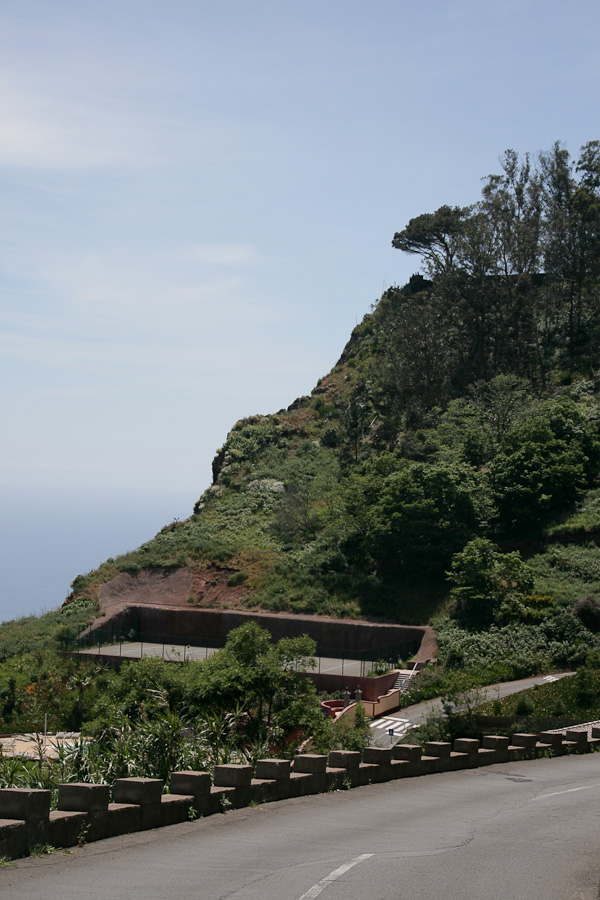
<point>85,814</point>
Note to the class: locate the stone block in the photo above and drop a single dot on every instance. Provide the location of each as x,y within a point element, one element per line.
<point>516,753</point>
<point>175,808</point>
<point>596,731</point>
<point>24,803</point>
<point>485,756</point>
<point>552,740</point>
<point>236,776</point>
<point>404,768</point>
<point>143,791</point>
<point>380,756</point>
<point>525,740</point>
<point>579,738</point>
<point>30,805</point>
<point>79,797</point>
<point>499,744</point>
<point>190,783</point>
<point>267,790</point>
<point>344,759</point>
<point>495,742</point>
<point>430,765</point>
<point>310,763</point>
<point>334,778</point>
<point>410,752</point>
<point>67,828</point>
<point>303,784</point>
<point>370,773</point>
<point>437,748</point>
<point>99,825</point>
<point>467,745</point>
<point>124,818</point>
<point>13,838</point>
<point>460,761</point>
<point>220,800</point>
<point>278,769</point>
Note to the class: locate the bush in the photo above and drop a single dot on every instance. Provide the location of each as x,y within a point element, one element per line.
<point>330,438</point>
<point>586,686</point>
<point>524,707</point>
<point>587,611</point>
<point>237,578</point>
<point>541,470</point>
<point>488,585</point>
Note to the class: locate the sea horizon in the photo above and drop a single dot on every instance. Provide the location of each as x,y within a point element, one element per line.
<point>51,534</point>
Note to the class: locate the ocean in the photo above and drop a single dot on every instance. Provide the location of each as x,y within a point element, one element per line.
<point>50,535</point>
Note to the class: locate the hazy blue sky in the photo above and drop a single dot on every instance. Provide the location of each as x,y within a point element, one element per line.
<point>199,198</point>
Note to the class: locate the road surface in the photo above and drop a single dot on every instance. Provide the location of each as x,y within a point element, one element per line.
<point>518,831</point>
<point>403,720</point>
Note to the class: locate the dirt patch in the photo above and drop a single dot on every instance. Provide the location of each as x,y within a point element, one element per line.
<point>428,648</point>
<point>174,588</point>
<point>160,597</point>
<point>211,590</point>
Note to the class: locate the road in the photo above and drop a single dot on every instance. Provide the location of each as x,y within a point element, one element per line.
<point>518,831</point>
<point>405,719</point>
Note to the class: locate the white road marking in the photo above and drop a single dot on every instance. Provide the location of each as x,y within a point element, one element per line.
<point>588,787</point>
<point>316,889</point>
<point>397,724</point>
<point>549,678</point>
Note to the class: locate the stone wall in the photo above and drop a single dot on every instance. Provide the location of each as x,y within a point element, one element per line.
<point>85,812</point>
<point>197,626</point>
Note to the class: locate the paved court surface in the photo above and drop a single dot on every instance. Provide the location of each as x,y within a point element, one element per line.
<point>32,746</point>
<point>180,652</point>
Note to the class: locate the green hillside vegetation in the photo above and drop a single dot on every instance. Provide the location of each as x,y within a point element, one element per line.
<point>245,702</point>
<point>447,469</point>
<point>577,697</point>
<point>464,408</point>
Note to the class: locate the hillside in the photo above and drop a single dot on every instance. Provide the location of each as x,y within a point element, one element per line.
<point>458,432</point>
<point>445,471</point>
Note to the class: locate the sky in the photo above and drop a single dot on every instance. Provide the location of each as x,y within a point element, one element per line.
<point>198,202</point>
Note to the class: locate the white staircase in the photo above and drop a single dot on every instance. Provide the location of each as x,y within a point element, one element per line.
<point>403,679</point>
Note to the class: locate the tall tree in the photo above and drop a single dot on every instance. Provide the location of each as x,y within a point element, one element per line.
<point>572,232</point>
<point>434,236</point>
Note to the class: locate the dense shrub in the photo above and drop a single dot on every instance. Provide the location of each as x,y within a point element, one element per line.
<point>410,517</point>
<point>487,585</point>
<point>588,611</point>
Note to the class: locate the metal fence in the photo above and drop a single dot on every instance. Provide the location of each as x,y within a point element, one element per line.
<point>126,638</point>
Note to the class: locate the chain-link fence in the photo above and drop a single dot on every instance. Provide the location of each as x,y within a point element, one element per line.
<point>130,642</point>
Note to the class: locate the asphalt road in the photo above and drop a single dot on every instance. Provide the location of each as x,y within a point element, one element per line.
<point>519,831</point>
<point>403,720</point>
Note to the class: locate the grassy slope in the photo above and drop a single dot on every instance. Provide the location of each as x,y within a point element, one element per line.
<point>280,548</point>
<point>233,521</point>
<point>559,698</point>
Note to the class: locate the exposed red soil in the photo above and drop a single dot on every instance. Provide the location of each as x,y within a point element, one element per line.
<point>186,588</point>
<point>176,589</point>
